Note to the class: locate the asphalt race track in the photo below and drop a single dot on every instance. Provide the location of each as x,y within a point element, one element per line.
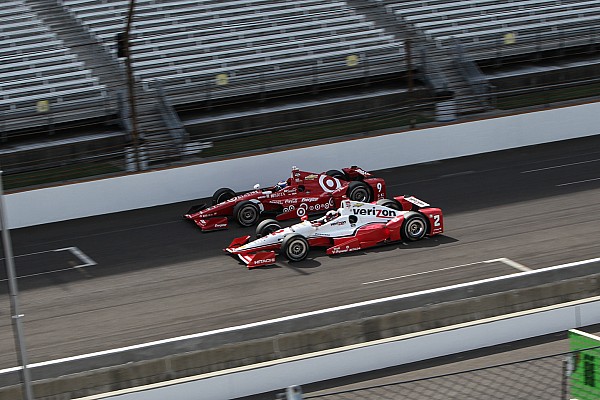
<point>122,279</point>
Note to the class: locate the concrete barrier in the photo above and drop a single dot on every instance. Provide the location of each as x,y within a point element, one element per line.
<point>385,151</point>
<point>354,359</point>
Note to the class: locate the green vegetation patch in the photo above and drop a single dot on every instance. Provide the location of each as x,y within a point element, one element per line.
<point>547,96</point>
<point>59,174</point>
<point>278,138</point>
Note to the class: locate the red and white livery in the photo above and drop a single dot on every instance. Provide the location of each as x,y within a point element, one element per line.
<point>353,226</point>
<point>301,194</point>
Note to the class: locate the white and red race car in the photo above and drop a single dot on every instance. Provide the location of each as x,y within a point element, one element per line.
<point>353,226</point>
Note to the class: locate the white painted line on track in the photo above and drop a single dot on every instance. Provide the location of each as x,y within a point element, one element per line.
<point>514,264</point>
<point>422,273</point>
<point>87,261</point>
<point>506,261</point>
<point>297,316</point>
<point>560,166</point>
<point>576,182</point>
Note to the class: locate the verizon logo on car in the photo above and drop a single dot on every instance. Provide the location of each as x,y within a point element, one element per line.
<point>377,212</point>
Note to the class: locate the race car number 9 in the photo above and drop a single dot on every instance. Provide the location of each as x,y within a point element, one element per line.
<point>329,183</point>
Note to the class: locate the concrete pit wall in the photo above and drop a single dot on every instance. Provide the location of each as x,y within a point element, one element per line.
<point>298,342</point>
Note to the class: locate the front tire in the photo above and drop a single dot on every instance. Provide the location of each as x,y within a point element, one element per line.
<point>414,227</point>
<point>222,195</point>
<point>267,227</point>
<point>246,213</point>
<point>359,191</point>
<point>295,247</point>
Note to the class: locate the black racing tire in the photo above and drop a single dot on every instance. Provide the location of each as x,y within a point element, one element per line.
<point>295,247</point>
<point>266,227</point>
<point>359,191</point>
<point>246,213</point>
<point>334,173</point>
<point>222,195</point>
<point>389,203</point>
<point>414,227</point>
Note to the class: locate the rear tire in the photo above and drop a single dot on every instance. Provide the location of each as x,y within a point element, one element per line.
<point>267,227</point>
<point>414,227</point>
<point>246,213</point>
<point>222,195</point>
<point>359,191</point>
<point>295,247</point>
<point>334,173</point>
<point>389,203</point>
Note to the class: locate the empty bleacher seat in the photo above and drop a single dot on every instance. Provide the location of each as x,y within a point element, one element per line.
<point>257,44</point>
<point>35,66</point>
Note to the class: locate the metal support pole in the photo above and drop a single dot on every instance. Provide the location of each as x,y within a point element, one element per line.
<point>17,317</point>
<point>131,85</point>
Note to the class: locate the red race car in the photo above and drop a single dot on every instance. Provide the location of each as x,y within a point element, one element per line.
<point>301,194</point>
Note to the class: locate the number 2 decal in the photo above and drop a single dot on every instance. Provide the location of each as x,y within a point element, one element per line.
<point>436,220</point>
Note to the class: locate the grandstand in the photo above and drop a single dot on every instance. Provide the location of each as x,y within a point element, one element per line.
<point>208,69</point>
<point>39,74</point>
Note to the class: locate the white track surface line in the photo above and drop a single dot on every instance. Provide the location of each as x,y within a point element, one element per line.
<point>576,182</point>
<point>424,273</point>
<point>560,166</point>
<point>296,316</point>
<point>506,261</point>
<point>514,264</point>
<point>87,261</point>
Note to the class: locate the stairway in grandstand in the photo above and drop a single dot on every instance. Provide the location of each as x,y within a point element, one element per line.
<point>155,130</point>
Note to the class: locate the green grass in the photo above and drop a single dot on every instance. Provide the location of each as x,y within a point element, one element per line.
<point>543,97</point>
<point>59,174</point>
<point>306,134</point>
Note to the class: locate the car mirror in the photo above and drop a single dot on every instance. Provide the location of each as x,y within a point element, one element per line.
<point>257,186</point>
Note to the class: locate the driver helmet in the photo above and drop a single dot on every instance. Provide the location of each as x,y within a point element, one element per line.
<point>280,185</point>
<point>331,214</point>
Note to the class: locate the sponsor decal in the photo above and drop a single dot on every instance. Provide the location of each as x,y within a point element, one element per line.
<point>220,225</point>
<point>264,261</point>
<point>329,183</point>
<point>338,223</point>
<point>376,212</point>
<point>309,199</point>
<point>417,202</point>
<point>301,211</point>
<point>362,172</point>
<point>338,250</point>
<point>311,177</point>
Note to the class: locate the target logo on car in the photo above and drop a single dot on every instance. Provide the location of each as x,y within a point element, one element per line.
<point>301,211</point>
<point>329,183</point>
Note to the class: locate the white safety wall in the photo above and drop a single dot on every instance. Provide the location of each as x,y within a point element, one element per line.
<point>386,151</point>
<point>355,359</point>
